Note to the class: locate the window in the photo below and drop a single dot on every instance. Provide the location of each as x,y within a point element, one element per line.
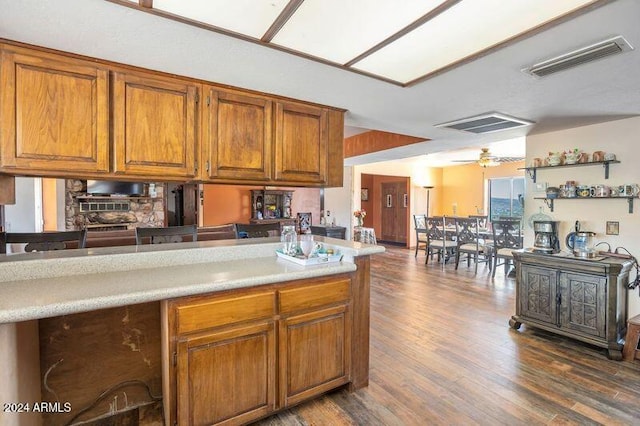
<point>506,197</point>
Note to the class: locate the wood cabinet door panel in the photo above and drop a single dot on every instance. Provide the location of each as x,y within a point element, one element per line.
<point>238,136</point>
<point>227,377</point>
<point>584,301</point>
<point>301,143</point>
<point>314,355</point>
<point>538,294</point>
<point>155,126</point>
<point>55,113</point>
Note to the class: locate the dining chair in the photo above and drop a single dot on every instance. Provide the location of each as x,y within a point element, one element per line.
<point>437,243</point>
<point>420,224</point>
<point>470,243</point>
<point>171,234</point>
<point>44,241</point>
<point>506,239</point>
<point>257,230</point>
<point>485,228</point>
<point>482,219</point>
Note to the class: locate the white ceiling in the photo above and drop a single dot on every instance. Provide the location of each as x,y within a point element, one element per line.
<point>396,41</point>
<point>600,91</point>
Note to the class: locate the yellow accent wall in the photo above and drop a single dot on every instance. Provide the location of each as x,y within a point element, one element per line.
<point>465,187</point>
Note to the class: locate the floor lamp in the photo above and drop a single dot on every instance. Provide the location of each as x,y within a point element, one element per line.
<point>427,188</point>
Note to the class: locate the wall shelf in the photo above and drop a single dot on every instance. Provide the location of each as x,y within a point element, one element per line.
<point>531,171</point>
<point>550,201</point>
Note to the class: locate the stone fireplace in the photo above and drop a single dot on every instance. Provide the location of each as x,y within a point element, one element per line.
<point>103,213</point>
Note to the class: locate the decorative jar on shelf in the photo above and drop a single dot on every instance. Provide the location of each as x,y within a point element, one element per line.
<point>572,157</point>
<point>554,159</point>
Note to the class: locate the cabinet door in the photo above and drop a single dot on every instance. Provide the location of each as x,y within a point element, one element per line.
<point>54,113</point>
<point>227,377</point>
<point>301,143</point>
<point>154,126</point>
<point>237,136</point>
<point>583,302</point>
<point>314,353</point>
<point>538,294</point>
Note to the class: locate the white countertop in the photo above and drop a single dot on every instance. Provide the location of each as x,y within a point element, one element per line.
<point>40,285</point>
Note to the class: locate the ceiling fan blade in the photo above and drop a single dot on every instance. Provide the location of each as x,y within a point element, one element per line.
<point>508,159</point>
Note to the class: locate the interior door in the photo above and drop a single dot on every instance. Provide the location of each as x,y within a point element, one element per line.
<point>190,204</point>
<point>182,204</point>
<point>394,212</point>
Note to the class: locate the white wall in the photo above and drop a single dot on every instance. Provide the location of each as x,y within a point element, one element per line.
<point>60,207</point>
<point>340,201</point>
<point>21,216</point>
<point>619,137</point>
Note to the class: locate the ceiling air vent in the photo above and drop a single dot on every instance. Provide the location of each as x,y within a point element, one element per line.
<point>581,56</point>
<point>486,123</point>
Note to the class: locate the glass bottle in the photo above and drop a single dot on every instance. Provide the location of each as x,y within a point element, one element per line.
<point>289,240</point>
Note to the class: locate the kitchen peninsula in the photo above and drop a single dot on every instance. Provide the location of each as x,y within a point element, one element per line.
<point>231,333</point>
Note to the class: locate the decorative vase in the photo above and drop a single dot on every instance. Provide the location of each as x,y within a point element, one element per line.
<point>359,220</point>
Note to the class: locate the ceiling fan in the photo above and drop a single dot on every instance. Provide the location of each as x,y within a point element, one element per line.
<point>486,159</point>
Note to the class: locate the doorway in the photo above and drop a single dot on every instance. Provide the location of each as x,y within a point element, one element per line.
<point>395,205</point>
<point>182,204</point>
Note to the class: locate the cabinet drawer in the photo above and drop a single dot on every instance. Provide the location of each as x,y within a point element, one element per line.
<point>214,312</point>
<point>311,296</point>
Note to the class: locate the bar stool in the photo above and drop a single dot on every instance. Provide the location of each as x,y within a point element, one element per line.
<point>630,349</point>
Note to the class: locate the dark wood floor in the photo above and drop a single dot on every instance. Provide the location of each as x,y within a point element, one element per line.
<point>442,353</point>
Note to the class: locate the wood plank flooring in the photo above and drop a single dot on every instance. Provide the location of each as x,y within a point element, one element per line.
<point>442,353</point>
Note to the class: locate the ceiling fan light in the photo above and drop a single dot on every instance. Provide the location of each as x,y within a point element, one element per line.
<point>487,162</point>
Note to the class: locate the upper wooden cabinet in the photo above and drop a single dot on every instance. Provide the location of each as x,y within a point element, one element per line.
<point>237,135</point>
<point>154,125</point>
<point>54,113</point>
<point>302,136</point>
<point>67,116</point>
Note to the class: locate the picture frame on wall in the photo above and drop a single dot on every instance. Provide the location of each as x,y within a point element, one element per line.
<point>613,228</point>
<point>364,194</point>
<point>304,223</point>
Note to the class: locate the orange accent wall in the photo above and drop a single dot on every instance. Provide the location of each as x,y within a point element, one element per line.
<point>49,204</point>
<point>465,186</point>
<point>224,204</point>
<point>366,181</point>
<point>374,205</point>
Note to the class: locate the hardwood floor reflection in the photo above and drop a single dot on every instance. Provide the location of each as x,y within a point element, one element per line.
<point>442,353</point>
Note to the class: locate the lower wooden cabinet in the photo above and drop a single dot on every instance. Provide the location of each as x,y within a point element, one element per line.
<point>237,357</point>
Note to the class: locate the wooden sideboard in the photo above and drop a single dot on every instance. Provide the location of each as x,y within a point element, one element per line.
<point>578,298</point>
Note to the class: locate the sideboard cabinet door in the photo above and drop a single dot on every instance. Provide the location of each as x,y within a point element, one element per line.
<point>154,125</point>
<point>54,113</point>
<point>538,294</point>
<point>301,143</point>
<point>584,303</point>
<point>237,136</point>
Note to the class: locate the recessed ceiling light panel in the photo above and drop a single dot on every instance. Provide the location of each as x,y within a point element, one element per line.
<point>486,123</point>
